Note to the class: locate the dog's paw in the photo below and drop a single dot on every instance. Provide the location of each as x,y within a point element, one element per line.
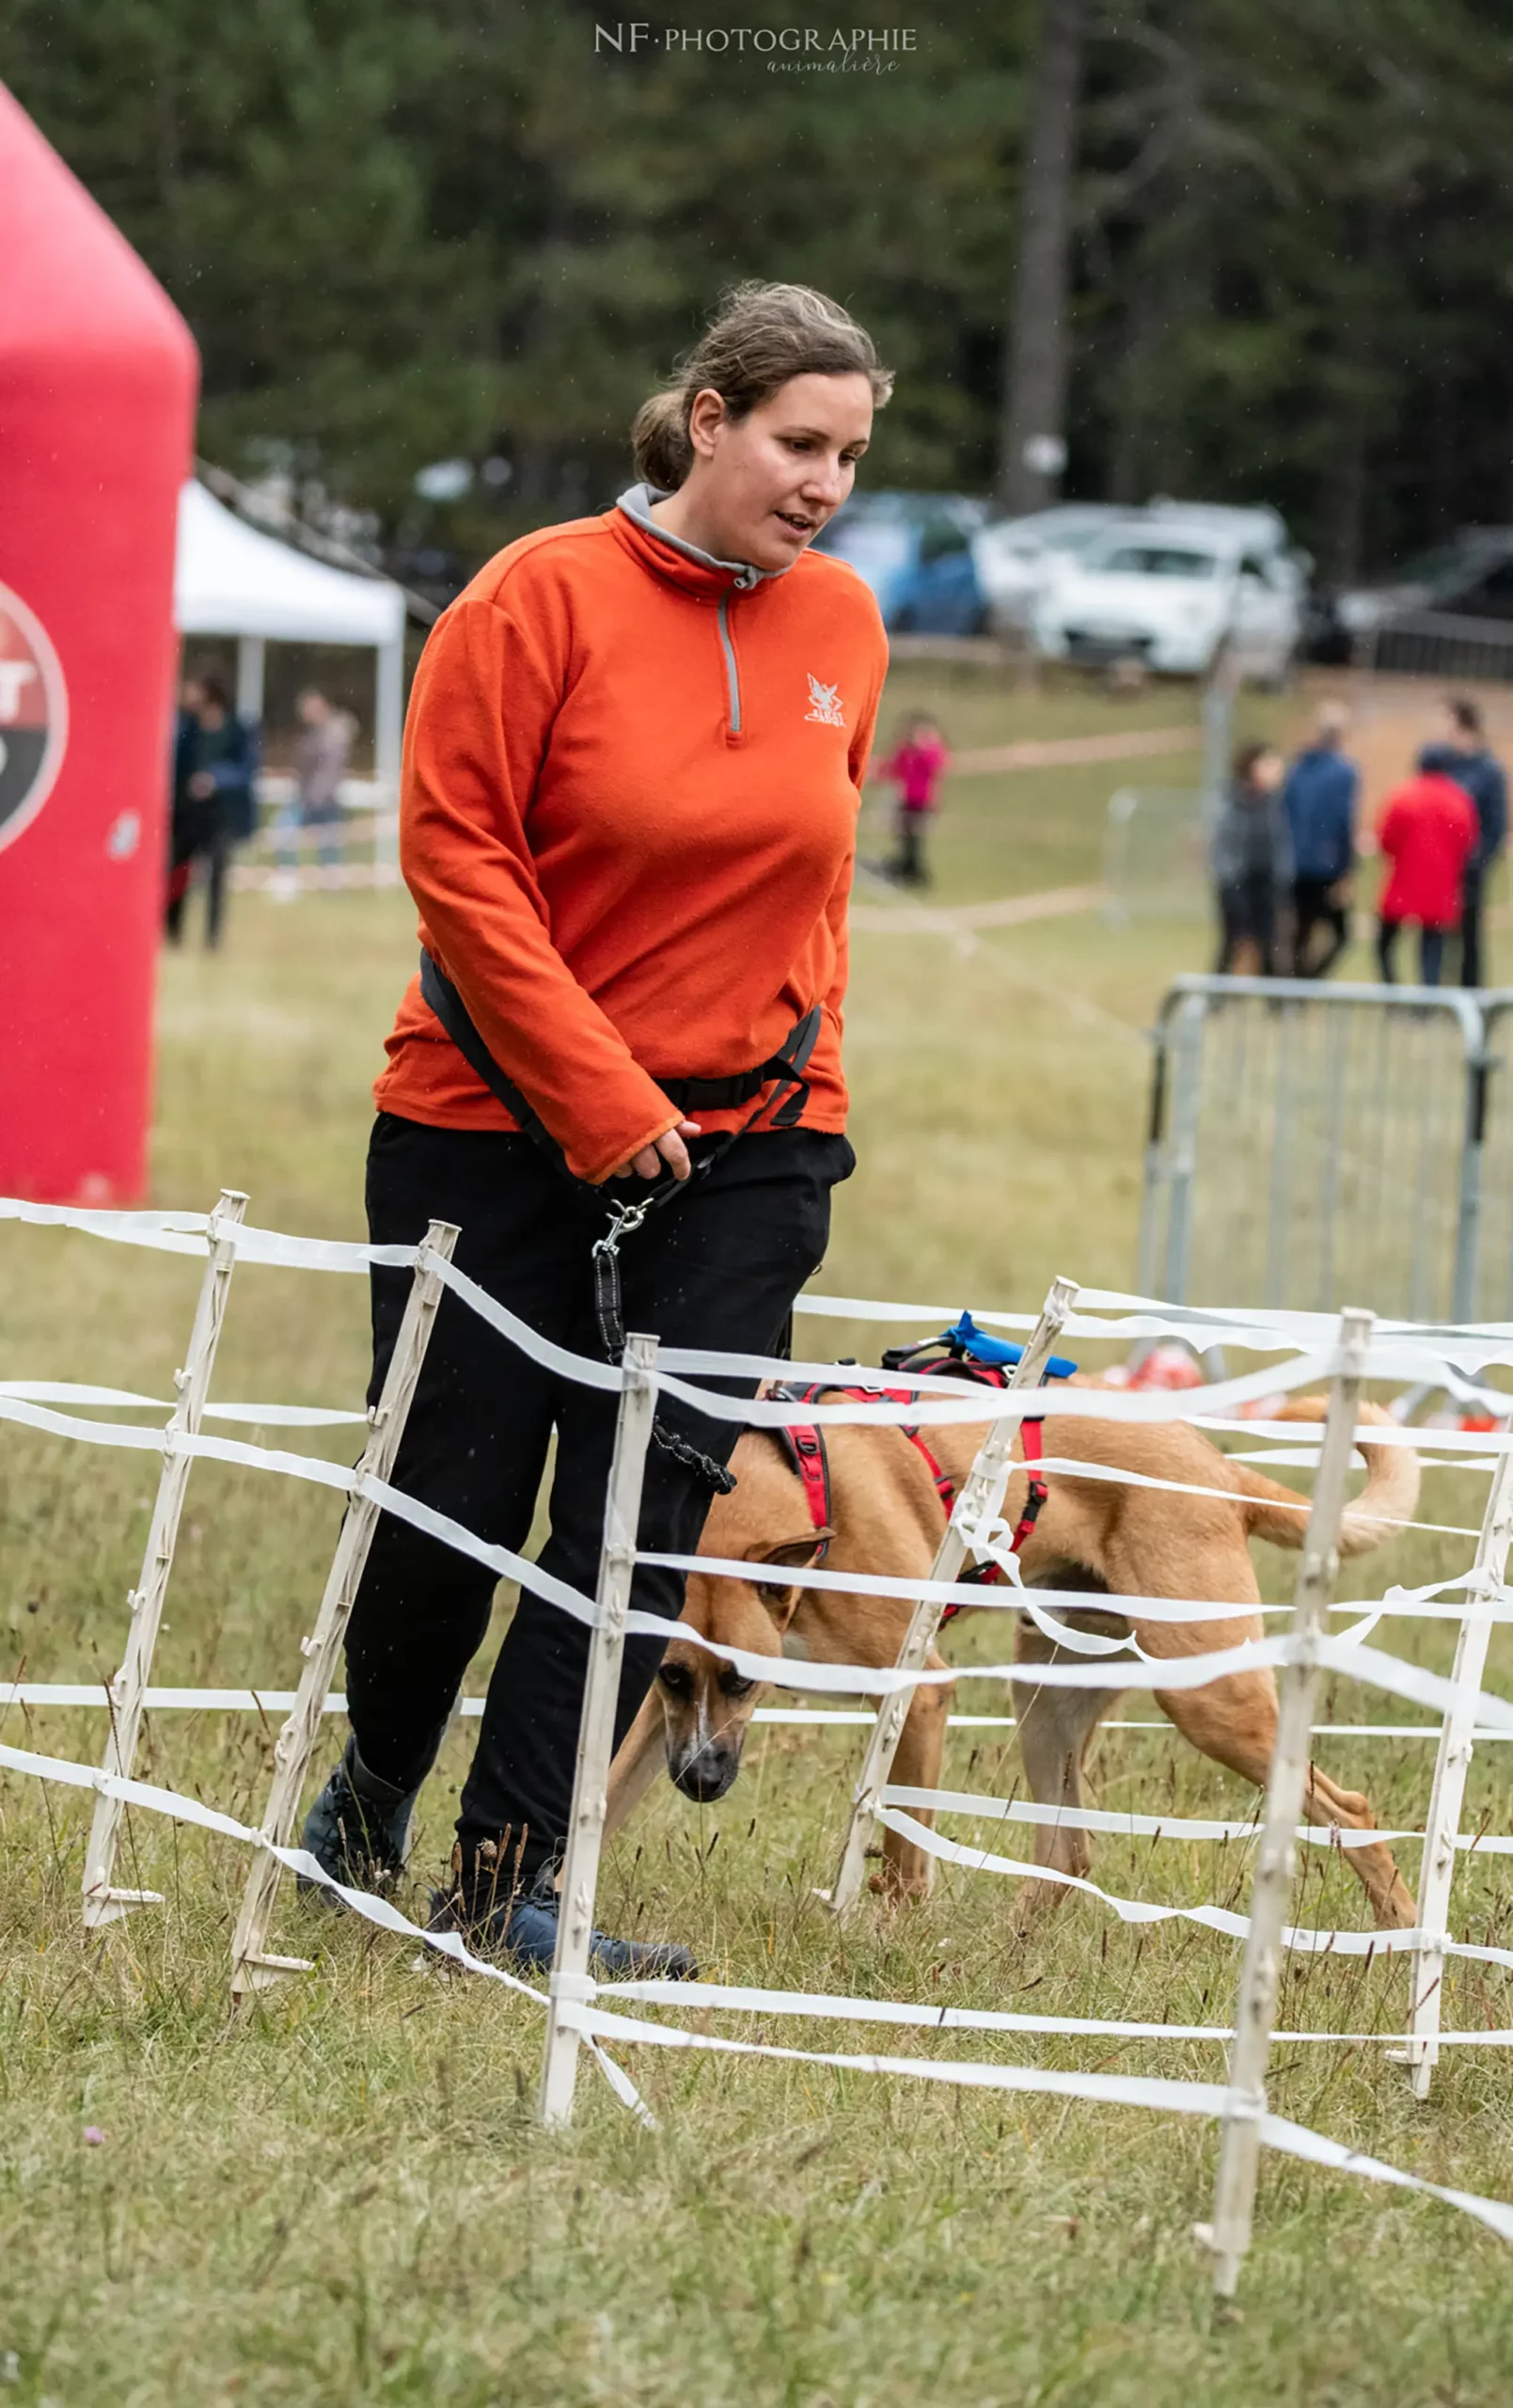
<point>897,1892</point>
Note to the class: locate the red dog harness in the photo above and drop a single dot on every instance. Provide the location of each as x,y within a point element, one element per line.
<point>804,1446</point>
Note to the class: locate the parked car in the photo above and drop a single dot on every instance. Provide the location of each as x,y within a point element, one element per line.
<point>1469,576</point>
<point>1175,591</point>
<point>915,552</point>
<point>1253,523</point>
<point>1017,558</point>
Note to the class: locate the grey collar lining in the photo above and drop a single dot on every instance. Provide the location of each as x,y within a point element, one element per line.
<point>636,500</point>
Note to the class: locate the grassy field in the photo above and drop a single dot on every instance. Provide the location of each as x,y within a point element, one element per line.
<point>343,2198</point>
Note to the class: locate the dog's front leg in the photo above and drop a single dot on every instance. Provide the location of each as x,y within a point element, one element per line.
<point>906,1869</point>
<point>637,1759</point>
<point>1056,1727</point>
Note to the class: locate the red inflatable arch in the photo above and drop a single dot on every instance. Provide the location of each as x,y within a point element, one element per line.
<point>98,381</point>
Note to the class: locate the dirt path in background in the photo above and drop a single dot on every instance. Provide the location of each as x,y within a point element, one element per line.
<point>1074,751</point>
<point>1393,718</point>
<point>949,920</point>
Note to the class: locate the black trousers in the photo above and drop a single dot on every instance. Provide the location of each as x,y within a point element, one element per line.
<point>909,867</point>
<point>1312,909</point>
<point>1248,912</point>
<point>1471,904</point>
<point>1430,952</point>
<point>199,834</point>
<point>717,1268</point>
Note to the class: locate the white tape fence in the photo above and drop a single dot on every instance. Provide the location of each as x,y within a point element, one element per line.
<point>1302,1351</point>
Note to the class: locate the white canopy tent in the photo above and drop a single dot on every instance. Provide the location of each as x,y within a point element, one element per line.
<point>231,580</point>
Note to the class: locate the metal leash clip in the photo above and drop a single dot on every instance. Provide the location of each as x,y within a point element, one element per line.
<point>625,1220</point>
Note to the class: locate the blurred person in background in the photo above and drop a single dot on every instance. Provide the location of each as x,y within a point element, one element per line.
<point>1430,832</point>
<point>322,753</point>
<point>916,766</point>
<point>1320,796</point>
<point>1251,862</point>
<point>1460,751</point>
<point>214,809</point>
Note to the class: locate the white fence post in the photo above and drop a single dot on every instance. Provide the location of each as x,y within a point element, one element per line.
<point>597,1731</point>
<point>1239,2148</point>
<point>102,1902</point>
<point>252,1967</point>
<point>981,1497</point>
<point>1451,1766</point>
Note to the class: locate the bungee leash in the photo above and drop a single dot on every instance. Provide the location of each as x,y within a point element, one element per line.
<point>625,1220</point>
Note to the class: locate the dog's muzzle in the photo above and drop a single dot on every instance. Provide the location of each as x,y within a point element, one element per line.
<point>705,1773</point>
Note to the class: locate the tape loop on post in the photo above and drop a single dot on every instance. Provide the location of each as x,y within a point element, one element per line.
<point>577,1987</point>
<point>1244,2107</point>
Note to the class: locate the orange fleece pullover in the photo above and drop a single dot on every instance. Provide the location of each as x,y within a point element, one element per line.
<point>628,821</point>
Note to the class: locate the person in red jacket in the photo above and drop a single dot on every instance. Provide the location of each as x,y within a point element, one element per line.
<point>1428,831</point>
<point>633,763</point>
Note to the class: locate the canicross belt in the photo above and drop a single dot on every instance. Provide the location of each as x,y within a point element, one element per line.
<point>689,1095</point>
<point>786,1067</point>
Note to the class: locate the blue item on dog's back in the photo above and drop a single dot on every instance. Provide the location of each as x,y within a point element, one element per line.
<point>965,1338</point>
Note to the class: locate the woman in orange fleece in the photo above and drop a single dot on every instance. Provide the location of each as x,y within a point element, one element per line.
<point>633,762</point>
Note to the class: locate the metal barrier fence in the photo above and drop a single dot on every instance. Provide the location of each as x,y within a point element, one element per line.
<point>1308,1142</point>
<point>1155,855</point>
<point>1156,843</point>
<point>1438,644</point>
<point>1494,1250</point>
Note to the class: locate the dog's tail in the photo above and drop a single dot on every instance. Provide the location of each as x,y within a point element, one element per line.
<point>1388,1499</point>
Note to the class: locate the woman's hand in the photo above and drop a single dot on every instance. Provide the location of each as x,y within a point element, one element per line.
<point>670,1150</point>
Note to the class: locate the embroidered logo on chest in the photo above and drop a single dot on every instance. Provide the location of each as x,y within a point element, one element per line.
<point>824,703</point>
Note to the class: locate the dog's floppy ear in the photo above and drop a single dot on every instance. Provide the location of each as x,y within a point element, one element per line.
<point>781,1597</point>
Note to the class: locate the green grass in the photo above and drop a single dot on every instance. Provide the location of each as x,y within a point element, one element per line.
<point>343,2198</point>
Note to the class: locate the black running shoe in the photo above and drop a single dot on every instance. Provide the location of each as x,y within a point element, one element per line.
<point>359,1828</point>
<point>523,1929</point>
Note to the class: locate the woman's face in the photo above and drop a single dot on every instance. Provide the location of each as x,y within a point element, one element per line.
<point>766,484</point>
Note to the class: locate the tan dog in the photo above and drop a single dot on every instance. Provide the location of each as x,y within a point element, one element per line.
<point>1091,1534</point>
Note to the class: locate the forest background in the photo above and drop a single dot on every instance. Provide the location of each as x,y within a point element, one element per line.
<point>479,233</point>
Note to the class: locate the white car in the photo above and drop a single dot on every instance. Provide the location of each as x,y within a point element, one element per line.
<point>1254,527</point>
<point>1016,560</point>
<point>1175,593</point>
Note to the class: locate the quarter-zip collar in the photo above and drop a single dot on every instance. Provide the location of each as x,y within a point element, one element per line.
<point>681,564</point>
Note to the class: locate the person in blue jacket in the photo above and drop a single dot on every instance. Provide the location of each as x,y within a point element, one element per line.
<point>1461,752</point>
<point>1320,798</point>
<point>214,804</point>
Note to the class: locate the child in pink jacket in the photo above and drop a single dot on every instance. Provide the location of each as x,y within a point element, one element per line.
<point>916,767</point>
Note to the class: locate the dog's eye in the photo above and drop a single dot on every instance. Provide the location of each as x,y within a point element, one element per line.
<point>734,1685</point>
<point>676,1679</point>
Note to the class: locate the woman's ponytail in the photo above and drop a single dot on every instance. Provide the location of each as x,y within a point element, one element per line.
<point>759,336</point>
<point>659,440</point>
